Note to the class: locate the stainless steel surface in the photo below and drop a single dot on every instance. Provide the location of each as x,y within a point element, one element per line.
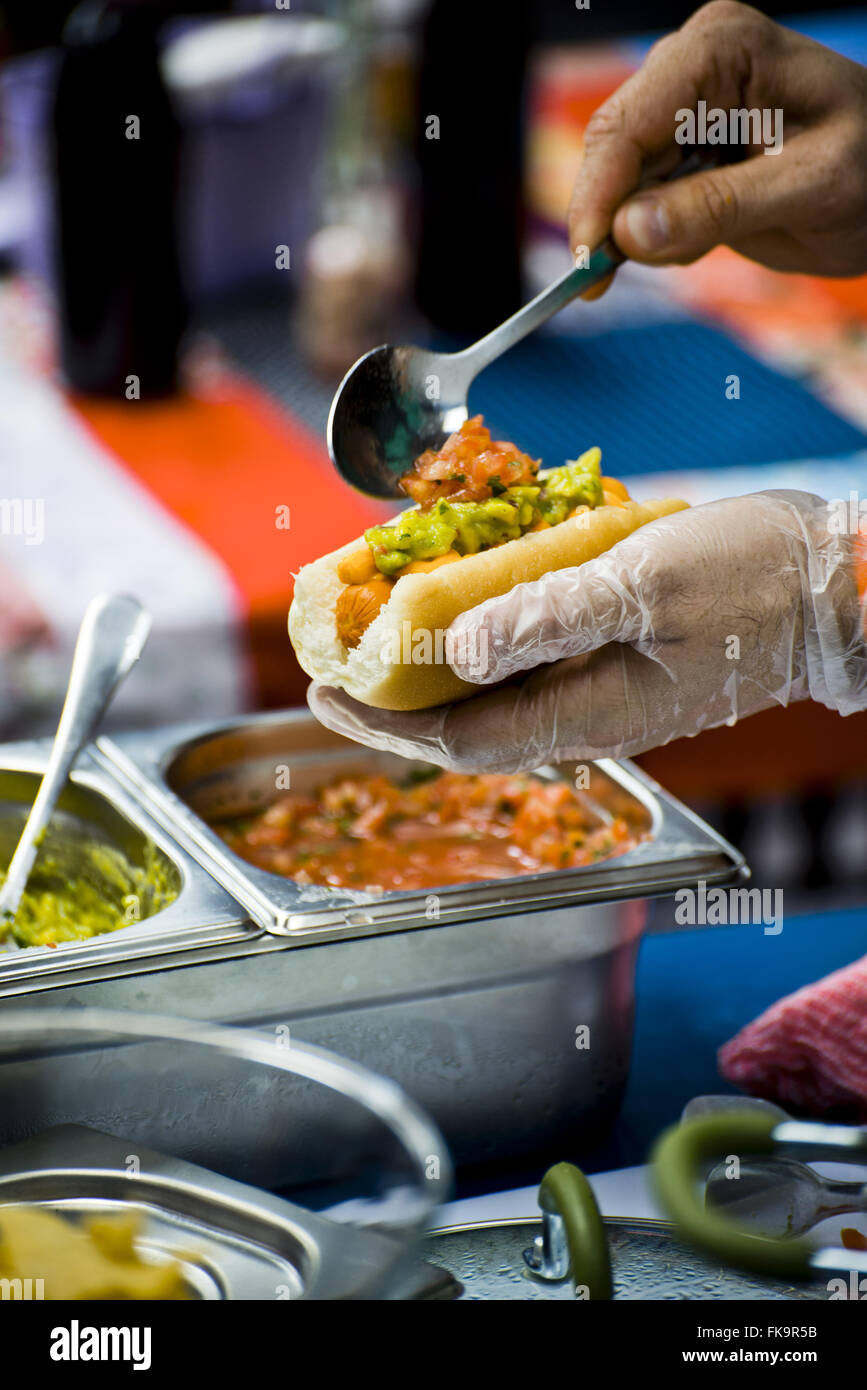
<point>648,1262</point>
<point>113,631</point>
<point>377,1161</point>
<point>93,804</point>
<point>476,1021</point>
<point>190,774</point>
<point>395,402</point>
<point>470,998</point>
<point>232,1241</point>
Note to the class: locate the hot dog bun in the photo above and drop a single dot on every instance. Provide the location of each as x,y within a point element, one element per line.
<point>381,671</point>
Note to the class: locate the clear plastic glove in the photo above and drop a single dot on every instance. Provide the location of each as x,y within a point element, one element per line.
<point>696,620</point>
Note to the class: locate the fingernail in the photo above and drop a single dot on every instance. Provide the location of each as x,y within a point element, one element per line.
<point>647,223</point>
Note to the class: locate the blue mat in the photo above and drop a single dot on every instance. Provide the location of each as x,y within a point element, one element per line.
<point>696,989</point>
<point>845,31</point>
<point>653,398</point>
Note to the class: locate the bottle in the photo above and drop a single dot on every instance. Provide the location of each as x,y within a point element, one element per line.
<point>116,148</point>
<point>470,142</point>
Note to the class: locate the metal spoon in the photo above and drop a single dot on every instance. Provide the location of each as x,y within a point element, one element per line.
<point>398,401</point>
<point>777,1196</point>
<point>112,634</point>
<point>781,1197</point>
<point>395,402</point>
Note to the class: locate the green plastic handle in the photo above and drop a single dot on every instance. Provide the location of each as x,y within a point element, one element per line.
<point>675,1160</point>
<point>565,1190</point>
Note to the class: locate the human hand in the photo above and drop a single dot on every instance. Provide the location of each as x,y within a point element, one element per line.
<point>803,209</point>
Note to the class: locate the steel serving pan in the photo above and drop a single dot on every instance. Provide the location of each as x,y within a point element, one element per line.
<point>233,1241</point>
<point>94,803</point>
<point>472,1008</point>
<point>187,775</point>
<point>119,1140</point>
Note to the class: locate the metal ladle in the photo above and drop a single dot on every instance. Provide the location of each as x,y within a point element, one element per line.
<point>395,402</point>
<point>110,640</point>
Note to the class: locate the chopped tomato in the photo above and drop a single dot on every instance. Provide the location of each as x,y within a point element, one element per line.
<point>470,467</point>
<point>368,832</point>
<point>852,1238</point>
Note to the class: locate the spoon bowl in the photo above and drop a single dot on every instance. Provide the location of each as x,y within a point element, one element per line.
<point>395,402</point>
<point>781,1196</point>
<point>391,406</point>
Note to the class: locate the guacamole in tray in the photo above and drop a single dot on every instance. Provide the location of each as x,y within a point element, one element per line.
<point>81,889</point>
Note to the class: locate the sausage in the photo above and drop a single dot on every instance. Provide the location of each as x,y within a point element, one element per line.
<point>358,567</point>
<point>357,607</point>
<point>615,488</point>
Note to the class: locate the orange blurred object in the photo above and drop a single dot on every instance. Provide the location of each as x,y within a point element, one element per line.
<point>255,486</point>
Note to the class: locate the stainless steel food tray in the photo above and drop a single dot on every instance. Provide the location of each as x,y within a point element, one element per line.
<point>202,914</point>
<point>648,1262</point>
<point>231,1240</point>
<point>230,769</point>
<point>472,1008</point>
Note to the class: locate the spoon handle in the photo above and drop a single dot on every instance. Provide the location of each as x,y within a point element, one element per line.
<point>113,631</point>
<point>605,259</point>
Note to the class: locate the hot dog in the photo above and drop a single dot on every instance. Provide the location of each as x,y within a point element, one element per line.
<point>372,617</point>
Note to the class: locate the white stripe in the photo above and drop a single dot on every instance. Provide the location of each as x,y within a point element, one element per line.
<point>104,531</point>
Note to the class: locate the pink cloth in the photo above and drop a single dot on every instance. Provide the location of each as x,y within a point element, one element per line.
<point>809,1050</point>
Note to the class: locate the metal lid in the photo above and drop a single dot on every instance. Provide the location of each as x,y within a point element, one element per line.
<point>208,766</point>
<point>648,1262</point>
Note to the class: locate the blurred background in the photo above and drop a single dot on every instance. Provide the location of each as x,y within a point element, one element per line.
<point>207,212</point>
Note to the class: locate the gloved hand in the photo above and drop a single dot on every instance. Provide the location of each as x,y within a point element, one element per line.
<point>696,620</point>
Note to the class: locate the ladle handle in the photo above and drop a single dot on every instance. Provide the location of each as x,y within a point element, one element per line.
<point>112,634</point>
<point>602,263</point>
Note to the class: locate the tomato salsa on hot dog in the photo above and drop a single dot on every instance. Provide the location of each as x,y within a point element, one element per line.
<point>373,618</point>
<point>473,493</point>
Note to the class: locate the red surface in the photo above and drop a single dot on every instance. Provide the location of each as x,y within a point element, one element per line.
<point>778,751</point>
<point>225,464</point>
